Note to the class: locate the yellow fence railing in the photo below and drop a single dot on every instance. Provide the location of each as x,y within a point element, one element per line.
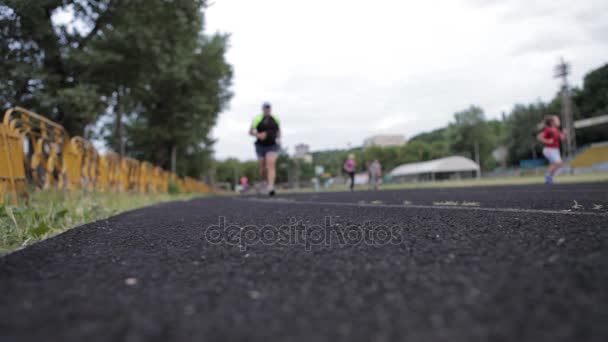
<point>35,150</point>
<point>595,154</point>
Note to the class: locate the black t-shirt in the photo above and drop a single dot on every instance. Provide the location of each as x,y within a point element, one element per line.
<point>268,124</point>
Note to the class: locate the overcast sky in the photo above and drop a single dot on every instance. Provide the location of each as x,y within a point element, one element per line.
<point>337,71</point>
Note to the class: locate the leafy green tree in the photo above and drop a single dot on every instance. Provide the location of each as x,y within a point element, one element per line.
<point>498,129</point>
<point>470,135</point>
<point>182,106</point>
<point>306,171</point>
<point>43,65</point>
<point>228,171</point>
<point>387,156</point>
<point>523,124</point>
<point>332,160</point>
<point>146,64</point>
<point>592,101</point>
<point>593,98</point>
<point>167,108</point>
<point>437,135</point>
<point>284,164</point>
<point>251,170</point>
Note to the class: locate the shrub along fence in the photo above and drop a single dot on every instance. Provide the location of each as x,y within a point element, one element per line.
<point>35,150</point>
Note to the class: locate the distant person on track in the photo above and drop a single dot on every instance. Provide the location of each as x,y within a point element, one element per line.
<point>375,174</point>
<point>266,129</point>
<point>244,181</point>
<point>350,165</point>
<point>369,175</point>
<point>551,136</point>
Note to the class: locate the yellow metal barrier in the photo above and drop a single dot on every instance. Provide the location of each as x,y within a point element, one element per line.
<point>114,169</point>
<point>37,150</point>
<point>80,164</point>
<point>12,171</point>
<point>161,180</point>
<point>44,140</point>
<point>145,177</point>
<point>129,174</point>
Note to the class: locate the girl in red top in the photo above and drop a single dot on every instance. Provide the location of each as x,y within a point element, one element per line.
<point>551,136</point>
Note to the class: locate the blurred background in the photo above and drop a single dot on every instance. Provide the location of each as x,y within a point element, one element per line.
<point>177,83</point>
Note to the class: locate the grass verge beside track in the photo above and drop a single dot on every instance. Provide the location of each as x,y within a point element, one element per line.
<point>524,180</point>
<point>563,179</point>
<point>49,213</point>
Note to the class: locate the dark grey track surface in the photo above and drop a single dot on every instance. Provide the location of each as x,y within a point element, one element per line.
<point>455,275</point>
<point>557,197</point>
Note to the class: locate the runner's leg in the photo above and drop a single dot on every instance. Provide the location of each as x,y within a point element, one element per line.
<point>271,173</point>
<point>262,163</point>
<point>554,167</point>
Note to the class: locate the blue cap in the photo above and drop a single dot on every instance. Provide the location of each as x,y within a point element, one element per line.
<point>266,105</point>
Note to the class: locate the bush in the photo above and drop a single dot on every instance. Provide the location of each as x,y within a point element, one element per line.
<point>173,188</point>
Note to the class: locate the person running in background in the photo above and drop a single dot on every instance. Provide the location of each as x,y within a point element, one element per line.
<point>349,166</point>
<point>551,136</point>
<point>375,174</point>
<point>265,128</point>
<point>244,183</point>
<point>369,175</point>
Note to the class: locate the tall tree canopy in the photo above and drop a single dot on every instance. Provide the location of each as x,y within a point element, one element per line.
<point>522,127</point>
<point>592,101</point>
<point>471,136</point>
<point>146,64</point>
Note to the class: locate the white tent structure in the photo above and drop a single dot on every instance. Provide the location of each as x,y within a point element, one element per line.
<point>454,167</point>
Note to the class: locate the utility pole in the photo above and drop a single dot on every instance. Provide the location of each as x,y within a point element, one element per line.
<point>174,158</point>
<point>476,146</point>
<point>297,185</point>
<point>119,126</point>
<point>562,70</point>
<point>235,172</point>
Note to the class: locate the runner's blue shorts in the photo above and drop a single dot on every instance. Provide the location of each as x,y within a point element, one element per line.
<point>262,150</point>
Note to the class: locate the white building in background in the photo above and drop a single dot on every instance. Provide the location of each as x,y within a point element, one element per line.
<point>385,140</point>
<point>302,151</point>
<point>448,168</point>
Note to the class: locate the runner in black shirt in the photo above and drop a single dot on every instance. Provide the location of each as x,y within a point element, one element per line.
<point>266,129</point>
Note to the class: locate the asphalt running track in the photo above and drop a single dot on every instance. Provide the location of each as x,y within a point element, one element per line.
<point>520,263</point>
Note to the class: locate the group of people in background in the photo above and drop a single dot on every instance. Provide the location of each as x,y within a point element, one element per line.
<point>374,172</point>
<point>266,129</point>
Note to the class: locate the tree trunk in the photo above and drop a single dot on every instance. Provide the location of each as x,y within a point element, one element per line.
<point>174,158</point>
<point>476,147</point>
<point>120,144</point>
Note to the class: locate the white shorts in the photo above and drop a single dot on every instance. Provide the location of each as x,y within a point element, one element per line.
<point>552,154</point>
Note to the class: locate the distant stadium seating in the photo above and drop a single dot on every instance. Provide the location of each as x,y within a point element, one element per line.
<point>595,154</point>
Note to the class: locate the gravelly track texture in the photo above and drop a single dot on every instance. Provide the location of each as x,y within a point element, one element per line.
<point>557,197</point>
<point>453,275</point>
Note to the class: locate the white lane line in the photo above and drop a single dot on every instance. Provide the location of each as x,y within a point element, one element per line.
<point>418,206</point>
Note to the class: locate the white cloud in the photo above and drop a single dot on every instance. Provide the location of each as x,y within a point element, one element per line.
<point>338,71</point>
